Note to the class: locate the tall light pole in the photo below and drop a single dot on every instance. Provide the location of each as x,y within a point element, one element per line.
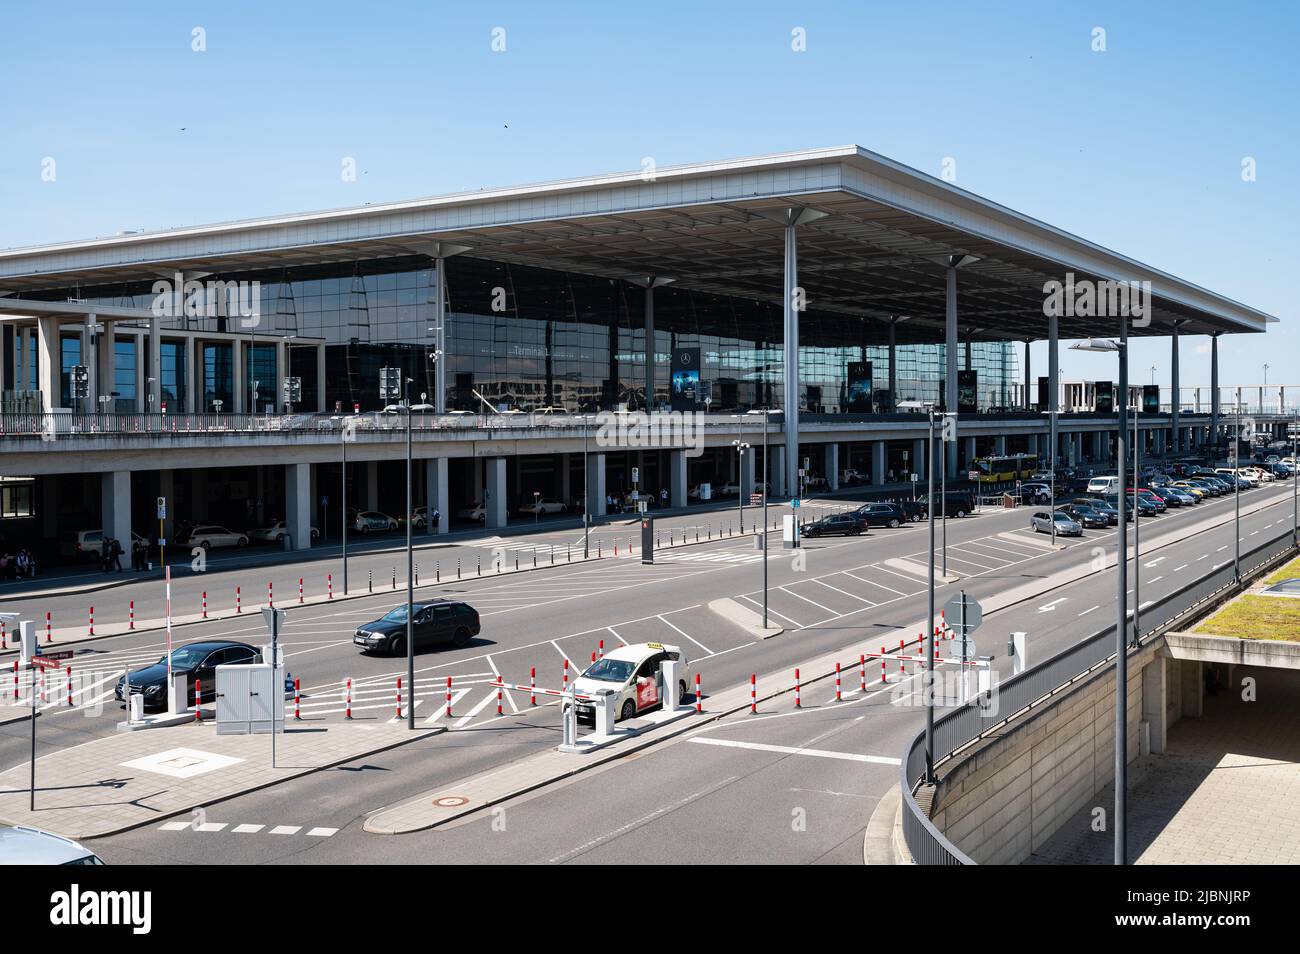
<point>1137,522</point>
<point>586,489</point>
<point>1295,478</point>
<point>410,568</point>
<point>741,447</point>
<point>766,451</point>
<point>1121,603</point>
<point>343,443</point>
<point>1236,499</point>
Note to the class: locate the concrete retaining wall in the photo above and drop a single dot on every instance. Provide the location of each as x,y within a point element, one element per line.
<point>1003,798</point>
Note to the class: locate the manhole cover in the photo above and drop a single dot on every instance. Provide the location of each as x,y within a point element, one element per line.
<point>450,801</point>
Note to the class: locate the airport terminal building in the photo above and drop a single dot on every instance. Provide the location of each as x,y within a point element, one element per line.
<point>225,367</point>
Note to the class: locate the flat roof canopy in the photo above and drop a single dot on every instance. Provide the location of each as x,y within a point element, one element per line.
<point>879,251</point>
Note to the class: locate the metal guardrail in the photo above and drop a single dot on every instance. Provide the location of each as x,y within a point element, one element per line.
<point>961,727</point>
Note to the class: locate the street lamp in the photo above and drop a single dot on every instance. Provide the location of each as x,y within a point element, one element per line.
<point>586,490</point>
<point>1051,467</point>
<point>741,447</point>
<point>929,408</point>
<point>1235,462</point>
<point>1120,348</point>
<point>1137,514</point>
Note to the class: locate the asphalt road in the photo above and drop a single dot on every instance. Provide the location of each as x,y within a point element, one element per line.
<point>845,591</point>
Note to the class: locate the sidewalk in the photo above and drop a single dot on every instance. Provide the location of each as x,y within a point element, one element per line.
<point>131,779</point>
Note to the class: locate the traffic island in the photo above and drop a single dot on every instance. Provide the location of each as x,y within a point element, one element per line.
<point>131,779</point>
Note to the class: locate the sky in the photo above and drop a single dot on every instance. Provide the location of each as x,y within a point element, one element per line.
<point>156,115</point>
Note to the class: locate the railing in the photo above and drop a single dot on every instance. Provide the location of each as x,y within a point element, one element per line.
<point>961,727</point>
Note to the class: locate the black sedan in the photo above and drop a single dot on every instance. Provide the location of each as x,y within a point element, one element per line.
<point>1100,506</point>
<point>1090,518</point>
<point>840,524</point>
<point>198,661</point>
<point>882,514</point>
<point>439,622</point>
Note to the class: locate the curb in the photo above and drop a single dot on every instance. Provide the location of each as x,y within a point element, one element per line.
<point>161,816</point>
<point>878,839</point>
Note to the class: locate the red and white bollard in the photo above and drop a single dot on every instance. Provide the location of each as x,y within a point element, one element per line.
<point>449,697</point>
<point>566,672</point>
<point>69,675</point>
<point>15,680</point>
<point>92,622</point>
<point>131,617</point>
<point>399,697</point>
<point>753,693</point>
<point>838,697</point>
<point>297,701</point>
<point>532,685</point>
<point>270,595</point>
<point>499,712</point>
<point>49,637</point>
<point>205,604</point>
<point>329,584</point>
<point>347,699</point>
<point>699,698</point>
<point>4,636</point>
<point>797,703</point>
<point>883,677</point>
<point>601,650</point>
<point>198,700</point>
<point>862,674</point>
<point>238,601</point>
<point>299,589</point>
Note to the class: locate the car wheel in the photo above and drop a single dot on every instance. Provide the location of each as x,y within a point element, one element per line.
<point>961,513</point>
<point>893,523</point>
<point>628,711</point>
<point>205,544</point>
<point>242,542</point>
<point>279,538</point>
<point>364,528</point>
<point>397,646</point>
<point>681,690</point>
<point>461,638</point>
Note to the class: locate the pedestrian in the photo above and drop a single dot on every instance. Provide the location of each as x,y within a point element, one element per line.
<point>663,496</point>
<point>891,475</point>
<point>435,518</point>
<point>116,554</point>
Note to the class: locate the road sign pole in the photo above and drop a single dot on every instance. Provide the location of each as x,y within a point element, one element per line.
<point>275,687</point>
<point>929,696</point>
<point>32,691</point>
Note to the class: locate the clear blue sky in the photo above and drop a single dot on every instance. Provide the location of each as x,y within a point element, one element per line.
<point>1138,148</point>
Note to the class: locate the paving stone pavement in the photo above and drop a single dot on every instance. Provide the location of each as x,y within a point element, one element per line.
<point>1227,791</point>
<point>129,779</point>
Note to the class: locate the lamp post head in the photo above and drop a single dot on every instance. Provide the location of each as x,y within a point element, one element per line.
<point>1104,345</point>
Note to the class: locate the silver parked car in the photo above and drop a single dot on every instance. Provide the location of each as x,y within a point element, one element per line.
<point>1066,526</point>
<point>21,845</point>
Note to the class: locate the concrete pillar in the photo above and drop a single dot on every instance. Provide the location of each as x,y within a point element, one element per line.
<point>916,462</point>
<point>48,363</point>
<point>372,485</point>
<point>437,494</point>
<point>1154,692</point>
<point>153,370</point>
<point>833,465</point>
<point>193,399</point>
<point>320,377</point>
<point>968,445</point>
<point>1000,445</point>
<point>167,490</point>
<point>281,374</point>
<point>1214,387</point>
<point>115,506</point>
<point>1192,680</point>
<point>240,388</point>
<point>596,492</point>
<point>745,466</point>
<point>1173,389</point>
<point>1029,380</point>
<point>495,493</point>
<point>677,478</point>
<point>950,353</point>
<point>649,344</point>
<point>297,504</point>
<point>776,470</point>
<point>106,365</point>
<point>879,462</point>
<point>566,479</point>
<point>790,367</point>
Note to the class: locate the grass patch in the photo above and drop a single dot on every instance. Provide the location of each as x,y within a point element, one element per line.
<point>1289,572</point>
<point>1256,617</point>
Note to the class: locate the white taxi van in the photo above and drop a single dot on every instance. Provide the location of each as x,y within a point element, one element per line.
<point>633,673</point>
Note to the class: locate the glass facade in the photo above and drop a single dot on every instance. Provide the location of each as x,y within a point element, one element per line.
<point>218,377</point>
<point>173,374</point>
<point>530,337</point>
<point>125,358</point>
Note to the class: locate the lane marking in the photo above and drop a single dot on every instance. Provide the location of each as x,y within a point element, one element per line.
<point>795,750</point>
<point>1089,610</point>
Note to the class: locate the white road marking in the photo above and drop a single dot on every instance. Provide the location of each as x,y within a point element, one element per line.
<point>247,829</point>
<point>686,634</point>
<point>286,830</point>
<point>794,750</point>
<point>322,832</point>
<point>1183,567</point>
<point>1089,610</point>
<point>1051,607</point>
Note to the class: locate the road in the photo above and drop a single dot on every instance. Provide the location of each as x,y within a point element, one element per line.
<point>848,588</point>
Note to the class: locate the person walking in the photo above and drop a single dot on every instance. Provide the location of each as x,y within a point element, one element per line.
<point>115,554</point>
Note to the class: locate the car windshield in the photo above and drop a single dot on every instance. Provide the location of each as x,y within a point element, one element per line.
<point>610,670</point>
<point>186,657</point>
<point>1064,517</point>
<point>397,615</point>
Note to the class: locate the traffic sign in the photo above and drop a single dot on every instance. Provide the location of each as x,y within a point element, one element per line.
<point>162,508</point>
<point>963,613</point>
<point>636,474</point>
<point>794,503</point>
<point>44,662</point>
<point>57,656</point>
<point>274,618</point>
<point>755,499</point>
<point>972,475</point>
